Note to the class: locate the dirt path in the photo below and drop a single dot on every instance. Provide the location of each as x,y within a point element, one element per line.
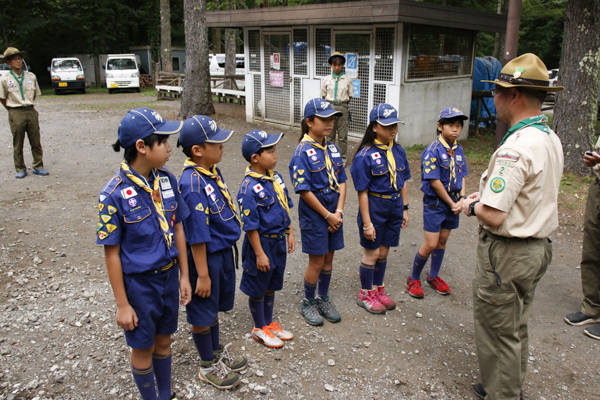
<point>58,339</point>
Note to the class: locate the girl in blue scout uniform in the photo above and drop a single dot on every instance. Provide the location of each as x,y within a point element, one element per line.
<point>140,210</point>
<point>265,212</point>
<point>318,174</point>
<point>443,171</point>
<point>379,171</point>
<point>211,231</point>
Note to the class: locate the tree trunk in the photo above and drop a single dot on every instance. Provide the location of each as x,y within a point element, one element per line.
<point>230,46</point>
<point>97,75</point>
<point>497,41</point>
<point>576,106</point>
<point>216,33</point>
<point>166,58</point>
<point>196,97</point>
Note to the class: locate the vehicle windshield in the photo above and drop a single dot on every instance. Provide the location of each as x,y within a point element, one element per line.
<point>120,63</point>
<point>553,73</point>
<point>66,65</point>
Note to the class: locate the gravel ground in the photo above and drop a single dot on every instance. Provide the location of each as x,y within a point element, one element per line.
<point>58,338</point>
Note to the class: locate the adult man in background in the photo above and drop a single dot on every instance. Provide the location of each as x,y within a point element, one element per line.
<point>18,90</point>
<point>517,209</point>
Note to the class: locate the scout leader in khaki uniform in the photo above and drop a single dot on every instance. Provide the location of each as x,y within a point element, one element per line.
<point>517,208</point>
<point>18,90</point>
<point>337,89</point>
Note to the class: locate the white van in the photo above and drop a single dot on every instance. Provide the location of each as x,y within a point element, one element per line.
<point>217,67</point>
<point>122,72</point>
<point>67,74</point>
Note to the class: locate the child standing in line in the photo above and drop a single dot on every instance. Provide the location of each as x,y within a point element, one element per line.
<point>211,230</point>
<point>140,210</point>
<point>265,212</point>
<point>380,171</point>
<point>443,171</point>
<point>318,174</point>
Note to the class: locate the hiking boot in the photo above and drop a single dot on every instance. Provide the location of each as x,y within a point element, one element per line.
<point>480,392</point>
<point>383,298</point>
<point>310,312</point>
<point>327,309</point>
<point>593,331</point>
<point>267,337</point>
<point>367,299</point>
<point>579,318</point>
<point>218,375</point>
<point>229,359</point>
<point>413,288</point>
<point>439,285</point>
<point>280,333</point>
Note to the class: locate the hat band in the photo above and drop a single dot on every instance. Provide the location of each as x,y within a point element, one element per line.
<point>522,81</point>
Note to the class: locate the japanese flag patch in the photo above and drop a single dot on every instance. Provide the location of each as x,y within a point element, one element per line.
<point>128,192</point>
<point>258,188</point>
<point>375,155</point>
<point>209,189</point>
<point>311,152</point>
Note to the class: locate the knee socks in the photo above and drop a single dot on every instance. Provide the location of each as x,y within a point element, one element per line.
<point>204,345</point>
<point>214,336</point>
<point>324,279</point>
<point>269,304</point>
<point>162,372</point>
<point>309,289</point>
<point>366,272</point>
<point>379,274</point>
<point>257,309</point>
<point>436,262</point>
<point>144,379</point>
<point>418,266</point>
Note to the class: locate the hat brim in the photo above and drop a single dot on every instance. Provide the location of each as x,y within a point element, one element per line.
<point>326,113</point>
<point>389,121</point>
<point>330,61</point>
<point>461,116</point>
<point>532,87</point>
<point>169,128</point>
<point>5,58</point>
<point>272,140</point>
<point>220,137</point>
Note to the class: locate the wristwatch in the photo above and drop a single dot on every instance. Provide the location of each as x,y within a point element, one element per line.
<point>472,208</point>
<point>406,207</point>
<point>462,197</point>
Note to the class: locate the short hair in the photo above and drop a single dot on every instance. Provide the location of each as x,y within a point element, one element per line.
<point>131,153</point>
<point>260,151</point>
<point>188,150</point>
<point>335,59</point>
<point>445,121</point>
<point>534,97</point>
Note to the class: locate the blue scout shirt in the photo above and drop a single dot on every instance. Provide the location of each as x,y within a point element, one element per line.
<point>259,207</point>
<point>435,164</point>
<point>370,170</point>
<point>307,167</point>
<point>127,217</point>
<point>211,220</point>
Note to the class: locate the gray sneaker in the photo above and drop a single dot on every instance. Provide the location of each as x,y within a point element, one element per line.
<point>327,309</point>
<point>593,331</point>
<point>218,375</point>
<point>310,312</point>
<point>579,318</point>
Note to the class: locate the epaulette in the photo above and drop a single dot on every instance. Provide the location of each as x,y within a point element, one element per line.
<point>363,151</point>
<point>113,183</point>
<point>298,150</point>
<point>244,185</point>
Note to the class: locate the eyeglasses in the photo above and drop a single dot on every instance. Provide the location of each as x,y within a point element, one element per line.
<point>494,92</point>
<point>15,58</point>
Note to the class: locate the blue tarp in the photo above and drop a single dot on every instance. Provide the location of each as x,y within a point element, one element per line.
<point>486,68</point>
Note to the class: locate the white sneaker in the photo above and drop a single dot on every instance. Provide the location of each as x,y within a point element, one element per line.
<point>266,337</point>
<point>280,333</point>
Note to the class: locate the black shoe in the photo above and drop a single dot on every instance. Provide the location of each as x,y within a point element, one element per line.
<point>480,392</point>
<point>579,318</point>
<point>593,331</point>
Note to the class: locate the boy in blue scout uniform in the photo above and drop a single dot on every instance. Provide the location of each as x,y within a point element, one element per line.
<point>265,212</point>
<point>317,170</point>
<point>380,171</point>
<point>140,210</point>
<point>211,231</point>
<point>443,171</point>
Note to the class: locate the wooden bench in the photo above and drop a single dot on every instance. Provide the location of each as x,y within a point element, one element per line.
<point>164,92</point>
<point>229,94</point>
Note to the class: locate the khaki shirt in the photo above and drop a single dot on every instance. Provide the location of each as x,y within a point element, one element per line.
<point>523,179</point>
<point>597,166</point>
<point>11,92</point>
<point>345,90</point>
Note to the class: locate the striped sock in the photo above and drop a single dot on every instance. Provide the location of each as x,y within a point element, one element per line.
<point>324,280</point>
<point>366,272</point>
<point>436,262</point>
<point>309,289</point>
<point>204,345</point>
<point>257,310</point>
<point>144,379</point>
<point>418,266</point>
<point>379,274</point>
<point>162,372</point>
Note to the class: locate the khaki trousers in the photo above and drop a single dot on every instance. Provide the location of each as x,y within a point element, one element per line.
<point>590,257</point>
<point>508,271</point>
<point>23,121</point>
<point>340,129</point>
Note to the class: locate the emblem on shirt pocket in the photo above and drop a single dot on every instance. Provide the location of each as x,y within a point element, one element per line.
<point>497,185</point>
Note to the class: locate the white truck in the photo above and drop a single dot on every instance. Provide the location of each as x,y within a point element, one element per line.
<point>122,72</point>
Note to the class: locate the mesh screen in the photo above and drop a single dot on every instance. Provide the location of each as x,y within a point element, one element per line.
<point>438,52</point>
<point>384,54</point>
<point>298,100</point>
<point>254,47</point>
<point>258,103</point>
<point>300,52</point>
<point>277,98</point>
<point>323,51</point>
<point>379,92</point>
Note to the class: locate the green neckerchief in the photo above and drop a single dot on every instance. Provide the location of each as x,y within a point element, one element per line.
<point>539,122</point>
<point>336,82</point>
<point>20,82</point>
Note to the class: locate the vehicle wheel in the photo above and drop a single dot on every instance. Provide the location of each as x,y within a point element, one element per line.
<point>83,91</point>
<point>55,91</point>
<point>139,90</point>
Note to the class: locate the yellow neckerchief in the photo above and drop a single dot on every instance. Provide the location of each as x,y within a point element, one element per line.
<point>333,183</point>
<point>278,189</point>
<point>214,175</point>
<point>450,151</point>
<point>391,161</point>
<point>156,198</point>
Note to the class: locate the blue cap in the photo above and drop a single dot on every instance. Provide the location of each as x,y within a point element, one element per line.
<point>202,129</point>
<point>255,140</point>
<point>451,112</point>
<point>143,122</point>
<point>384,114</point>
<point>319,108</point>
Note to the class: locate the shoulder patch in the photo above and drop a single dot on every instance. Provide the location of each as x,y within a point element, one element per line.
<point>497,185</point>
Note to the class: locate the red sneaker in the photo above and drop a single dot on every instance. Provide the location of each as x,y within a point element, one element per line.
<point>439,285</point>
<point>384,299</point>
<point>413,288</point>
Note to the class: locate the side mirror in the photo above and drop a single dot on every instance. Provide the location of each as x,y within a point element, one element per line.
<point>48,68</point>
<point>104,67</point>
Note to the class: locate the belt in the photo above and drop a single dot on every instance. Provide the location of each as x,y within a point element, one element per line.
<point>393,196</point>
<point>327,190</point>
<point>484,233</point>
<point>23,108</point>
<point>161,269</point>
<point>275,235</point>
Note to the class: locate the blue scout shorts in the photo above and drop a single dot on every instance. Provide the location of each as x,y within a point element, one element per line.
<point>256,283</point>
<point>221,269</point>
<point>316,239</point>
<point>437,215</point>
<point>387,216</point>
<point>154,296</point>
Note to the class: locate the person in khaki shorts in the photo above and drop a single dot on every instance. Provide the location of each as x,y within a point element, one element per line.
<point>517,209</point>
<point>18,90</point>
<point>337,89</point>
<point>590,257</point>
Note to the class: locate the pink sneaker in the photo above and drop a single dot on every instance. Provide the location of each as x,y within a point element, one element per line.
<point>367,299</point>
<point>414,289</point>
<point>384,299</point>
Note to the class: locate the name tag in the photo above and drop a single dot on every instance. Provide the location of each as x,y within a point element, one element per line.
<point>165,183</point>
<point>167,194</point>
